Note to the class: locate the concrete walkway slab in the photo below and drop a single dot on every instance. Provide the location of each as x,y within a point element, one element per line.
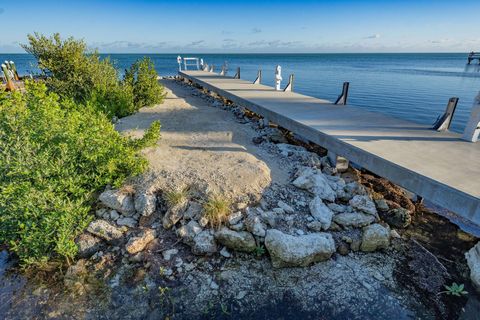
<point>438,166</point>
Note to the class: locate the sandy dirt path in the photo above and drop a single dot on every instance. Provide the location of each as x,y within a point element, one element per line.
<point>202,146</point>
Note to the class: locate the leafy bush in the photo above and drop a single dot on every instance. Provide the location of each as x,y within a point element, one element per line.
<point>56,154</point>
<point>74,72</point>
<point>142,77</point>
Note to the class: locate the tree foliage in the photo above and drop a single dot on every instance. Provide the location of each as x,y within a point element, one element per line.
<point>142,78</point>
<point>75,72</point>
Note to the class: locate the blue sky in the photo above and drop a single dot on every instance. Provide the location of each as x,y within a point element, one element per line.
<point>248,26</point>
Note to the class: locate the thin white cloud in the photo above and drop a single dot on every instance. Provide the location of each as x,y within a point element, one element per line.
<point>373,36</point>
<point>195,43</point>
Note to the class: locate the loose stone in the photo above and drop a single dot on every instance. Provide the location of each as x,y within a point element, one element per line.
<point>375,237</point>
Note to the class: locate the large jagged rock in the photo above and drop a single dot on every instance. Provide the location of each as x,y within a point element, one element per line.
<point>473,261</point>
<point>315,182</point>
<point>353,219</point>
<point>118,200</point>
<point>375,237</point>
<point>140,240</point>
<point>145,203</point>
<point>321,212</point>
<point>364,203</point>
<point>290,251</point>
<point>103,229</point>
<point>204,244</point>
<point>174,214</point>
<point>87,245</point>
<point>236,240</point>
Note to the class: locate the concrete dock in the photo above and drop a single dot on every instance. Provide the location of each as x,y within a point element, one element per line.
<point>438,166</point>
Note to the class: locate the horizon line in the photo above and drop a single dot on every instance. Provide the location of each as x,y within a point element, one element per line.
<point>232,53</point>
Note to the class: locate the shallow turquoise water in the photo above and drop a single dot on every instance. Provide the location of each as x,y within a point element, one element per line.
<point>409,86</point>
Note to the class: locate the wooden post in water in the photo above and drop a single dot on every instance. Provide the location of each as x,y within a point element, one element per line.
<point>237,75</point>
<point>342,98</point>
<point>289,86</point>
<point>443,123</point>
<point>10,85</point>
<point>472,130</point>
<point>14,70</point>
<point>258,80</point>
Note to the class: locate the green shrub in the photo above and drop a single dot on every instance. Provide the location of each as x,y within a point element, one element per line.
<point>74,72</point>
<point>142,78</point>
<point>150,137</point>
<point>56,154</point>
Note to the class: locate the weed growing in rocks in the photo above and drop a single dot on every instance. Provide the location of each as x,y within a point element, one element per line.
<point>455,290</point>
<point>216,209</point>
<point>259,251</point>
<point>175,197</point>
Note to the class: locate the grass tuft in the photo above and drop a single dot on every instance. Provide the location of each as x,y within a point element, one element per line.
<point>216,209</point>
<point>175,197</point>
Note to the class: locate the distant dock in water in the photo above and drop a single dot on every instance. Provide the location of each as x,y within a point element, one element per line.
<point>434,164</point>
<point>472,56</point>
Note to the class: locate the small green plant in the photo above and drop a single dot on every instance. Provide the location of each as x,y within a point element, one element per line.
<point>216,209</point>
<point>150,137</point>
<point>259,251</point>
<point>208,307</point>
<point>455,290</point>
<point>163,291</point>
<point>162,271</point>
<point>224,309</point>
<point>176,197</point>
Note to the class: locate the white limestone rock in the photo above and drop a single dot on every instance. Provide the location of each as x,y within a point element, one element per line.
<point>87,245</point>
<point>189,231</point>
<point>127,221</point>
<point>194,211</point>
<point>235,218</point>
<point>145,203</point>
<point>204,244</point>
<point>292,251</point>
<point>103,229</point>
<point>255,226</point>
<point>321,212</point>
<point>236,240</point>
<point>118,200</point>
<point>315,182</point>
<point>473,261</point>
<point>353,219</point>
<point>375,237</point>
<point>174,214</point>
<point>364,204</point>
<point>287,208</point>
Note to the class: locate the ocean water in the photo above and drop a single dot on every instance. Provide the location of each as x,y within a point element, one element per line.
<point>410,86</point>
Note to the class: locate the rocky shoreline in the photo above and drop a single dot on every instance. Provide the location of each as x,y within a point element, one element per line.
<point>322,243</point>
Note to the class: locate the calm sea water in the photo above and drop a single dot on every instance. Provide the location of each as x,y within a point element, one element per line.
<point>409,86</point>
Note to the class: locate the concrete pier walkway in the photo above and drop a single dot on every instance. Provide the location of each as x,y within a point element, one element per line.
<point>438,166</point>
